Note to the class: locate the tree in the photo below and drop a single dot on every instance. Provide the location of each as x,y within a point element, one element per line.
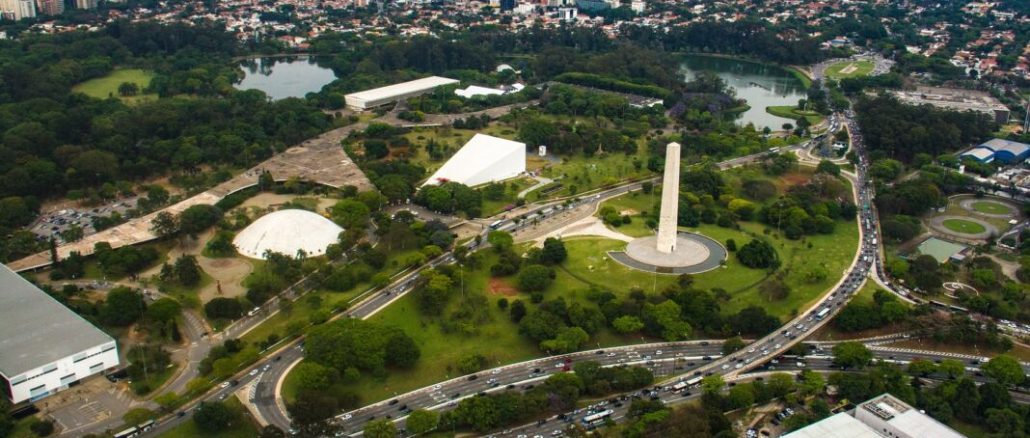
<point>742,396</point>
<point>712,384</point>
<point>187,270</point>
<point>553,252</point>
<point>921,367</point>
<point>311,376</point>
<point>213,417</point>
<point>732,344</point>
<point>666,316</point>
<point>534,278</point>
<point>1005,369</point>
<point>1004,422</point>
<point>500,240</point>
<point>851,355</point>
<point>758,254</point>
<point>627,324</point>
<point>270,431</point>
<point>953,368</point>
<point>197,218</point>
<point>827,166</point>
<point>517,310</point>
<point>126,89</point>
<point>402,351</point>
<point>164,225</point>
<point>123,306</point>
<point>221,307</point>
<point>138,416</point>
<point>381,428</point>
<point>350,214</point>
<point>422,421</point>
<point>42,427</point>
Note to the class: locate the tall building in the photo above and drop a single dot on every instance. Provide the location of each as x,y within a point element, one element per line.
<point>18,9</point>
<point>44,346</point>
<point>50,7</point>
<point>85,4</point>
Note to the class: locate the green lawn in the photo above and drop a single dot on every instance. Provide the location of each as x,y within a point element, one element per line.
<point>107,86</point>
<point>855,69</point>
<point>242,427</point>
<point>791,112</point>
<point>991,207</point>
<point>579,174</point>
<point>963,226</point>
<point>155,378</point>
<point>639,203</point>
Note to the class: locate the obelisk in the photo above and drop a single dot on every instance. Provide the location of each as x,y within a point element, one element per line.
<point>670,200</point>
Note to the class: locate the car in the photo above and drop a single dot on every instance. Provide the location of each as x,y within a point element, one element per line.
<point>559,364</point>
<point>393,402</point>
<point>224,385</point>
<point>611,354</point>
<point>658,353</point>
<point>254,372</point>
<point>706,358</point>
<point>234,382</point>
<point>497,371</point>
<point>599,352</point>
<point>437,387</point>
<point>725,366</point>
<point>472,377</point>
<point>738,366</point>
<point>751,350</point>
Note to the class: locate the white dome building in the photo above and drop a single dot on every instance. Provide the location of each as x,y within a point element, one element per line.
<point>286,232</point>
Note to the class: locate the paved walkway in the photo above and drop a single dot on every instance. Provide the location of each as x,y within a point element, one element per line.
<point>716,255</point>
<point>320,159</point>
<point>588,226</point>
<point>541,181</point>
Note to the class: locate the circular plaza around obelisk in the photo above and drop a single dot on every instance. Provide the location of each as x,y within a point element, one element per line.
<point>693,254</point>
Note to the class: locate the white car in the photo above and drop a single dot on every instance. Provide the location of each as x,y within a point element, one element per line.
<point>658,353</point>
<point>224,385</point>
<point>611,354</point>
<point>725,366</point>
<point>346,416</point>
<point>752,350</point>
<point>559,365</point>
<point>254,372</point>
<point>738,365</point>
<point>437,387</point>
<point>497,371</point>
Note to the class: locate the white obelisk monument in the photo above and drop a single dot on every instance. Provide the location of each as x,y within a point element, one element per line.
<point>670,200</point>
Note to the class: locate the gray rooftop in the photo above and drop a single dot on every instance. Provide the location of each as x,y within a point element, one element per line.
<point>841,425</point>
<point>1000,144</point>
<point>36,330</point>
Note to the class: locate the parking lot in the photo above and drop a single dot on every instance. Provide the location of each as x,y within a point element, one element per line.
<point>53,224</point>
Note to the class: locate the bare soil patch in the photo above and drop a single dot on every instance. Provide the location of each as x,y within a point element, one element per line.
<point>501,287</point>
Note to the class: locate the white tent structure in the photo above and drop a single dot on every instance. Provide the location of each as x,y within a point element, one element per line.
<point>286,232</point>
<point>483,159</point>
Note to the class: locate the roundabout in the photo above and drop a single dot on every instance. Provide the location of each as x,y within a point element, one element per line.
<point>990,208</point>
<point>963,227</point>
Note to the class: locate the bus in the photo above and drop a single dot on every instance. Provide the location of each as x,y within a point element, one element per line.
<point>679,386</point>
<point>496,224</point>
<point>822,313</point>
<point>135,430</point>
<point>594,420</point>
<point>695,381</point>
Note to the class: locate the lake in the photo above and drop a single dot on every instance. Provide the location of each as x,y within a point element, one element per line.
<point>284,77</point>
<point>761,85</point>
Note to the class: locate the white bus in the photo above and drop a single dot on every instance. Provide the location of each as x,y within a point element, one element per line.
<point>598,418</point>
<point>679,386</point>
<point>496,224</point>
<point>695,381</point>
<point>822,313</point>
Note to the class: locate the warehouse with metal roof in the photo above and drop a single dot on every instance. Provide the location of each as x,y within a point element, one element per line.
<point>367,99</point>
<point>44,346</point>
<point>1007,151</point>
<point>483,159</point>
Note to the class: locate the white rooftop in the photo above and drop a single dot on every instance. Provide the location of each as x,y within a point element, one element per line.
<point>402,88</point>
<point>841,425</point>
<point>483,159</point>
<point>36,330</point>
<point>476,90</point>
<point>287,231</point>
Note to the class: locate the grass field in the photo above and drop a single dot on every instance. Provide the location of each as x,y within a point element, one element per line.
<point>107,86</point>
<point>963,226</point>
<point>849,69</point>
<point>242,426</point>
<point>991,207</point>
<point>791,112</point>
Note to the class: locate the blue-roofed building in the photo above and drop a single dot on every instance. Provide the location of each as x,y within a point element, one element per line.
<point>981,154</point>
<point>1007,151</point>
